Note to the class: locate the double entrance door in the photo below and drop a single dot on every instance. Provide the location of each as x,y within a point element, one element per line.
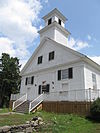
<point>43,89</point>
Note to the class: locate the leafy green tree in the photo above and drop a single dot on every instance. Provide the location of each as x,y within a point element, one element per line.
<point>95,109</point>
<point>9,78</point>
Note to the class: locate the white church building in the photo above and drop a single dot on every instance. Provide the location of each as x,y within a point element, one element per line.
<point>55,72</point>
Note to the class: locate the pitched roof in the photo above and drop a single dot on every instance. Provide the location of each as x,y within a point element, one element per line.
<point>55,11</point>
<point>82,56</point>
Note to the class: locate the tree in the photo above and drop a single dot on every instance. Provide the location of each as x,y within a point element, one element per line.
<point>9,78</point>
<point>95,109</point>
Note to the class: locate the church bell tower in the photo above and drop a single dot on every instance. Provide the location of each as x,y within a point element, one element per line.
<point>55,27</point>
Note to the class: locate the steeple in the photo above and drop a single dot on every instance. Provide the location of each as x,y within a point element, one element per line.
<point>55,27</point>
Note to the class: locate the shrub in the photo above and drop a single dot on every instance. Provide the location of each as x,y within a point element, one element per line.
<point>95,109</point>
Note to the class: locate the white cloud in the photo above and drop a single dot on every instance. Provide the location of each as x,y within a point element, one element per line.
<point>18,19</point>
<point>77,44</point>
<point>46,1</point>
<point>89,37</point>
<point>6,46</point>
<point>80,45</point>
<point>95,58</point>
<point>40,27</point>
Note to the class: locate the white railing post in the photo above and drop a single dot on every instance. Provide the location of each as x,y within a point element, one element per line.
<point>13,105</point>
<point>35,102</point>
<point>26,96</point>
<point>87,91</point>
<point>86,95</point>
<point>75,96</point>
<point>98,93</point>
<point>29,108</point>
<point>19,101</point>
<point>90,94</point>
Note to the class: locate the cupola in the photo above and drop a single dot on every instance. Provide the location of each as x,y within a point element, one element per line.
<point>55,27</point>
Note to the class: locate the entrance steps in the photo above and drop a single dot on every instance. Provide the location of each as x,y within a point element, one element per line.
<point>22,105</point>
<point>23,108</point>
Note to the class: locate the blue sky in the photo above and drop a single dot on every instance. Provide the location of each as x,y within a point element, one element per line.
<point>83,21</point>
<point>21,19</point>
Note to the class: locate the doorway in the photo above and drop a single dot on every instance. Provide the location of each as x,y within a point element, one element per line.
<point>43,89</point>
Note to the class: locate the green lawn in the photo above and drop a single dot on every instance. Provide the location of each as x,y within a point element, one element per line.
<point>67,124</point>
<point>14,119</point>
<point>54,123</point>
<point>4,110</point>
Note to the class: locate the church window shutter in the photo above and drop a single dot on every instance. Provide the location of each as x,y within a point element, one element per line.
<point>39,90</point>
<point>32,80</point>
<point>59,74</point>
<point>47,88</point>
<point>26,81</point>
<point>70,73</point>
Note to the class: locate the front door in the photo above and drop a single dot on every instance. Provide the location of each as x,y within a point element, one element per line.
<point>44,89</point>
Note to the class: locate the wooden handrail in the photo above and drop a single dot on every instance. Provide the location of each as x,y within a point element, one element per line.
<point>19,101</point>
<point>36,102</point>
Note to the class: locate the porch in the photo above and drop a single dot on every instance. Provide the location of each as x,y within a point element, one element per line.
<point>54,100</point>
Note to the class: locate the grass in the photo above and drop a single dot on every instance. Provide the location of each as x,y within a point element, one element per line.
<point>54,123</point>
<point>4,110</point>
<point>61,123</point>
<point>14,119</point>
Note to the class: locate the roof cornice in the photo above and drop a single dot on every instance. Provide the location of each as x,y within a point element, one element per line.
<point>91,62</point>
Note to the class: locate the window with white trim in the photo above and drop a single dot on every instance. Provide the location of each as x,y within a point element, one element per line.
<point>65,74</point>
<point>40,58</point>
<point>94,81</point>
<point>29,80</point>
<point>51,55</point>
